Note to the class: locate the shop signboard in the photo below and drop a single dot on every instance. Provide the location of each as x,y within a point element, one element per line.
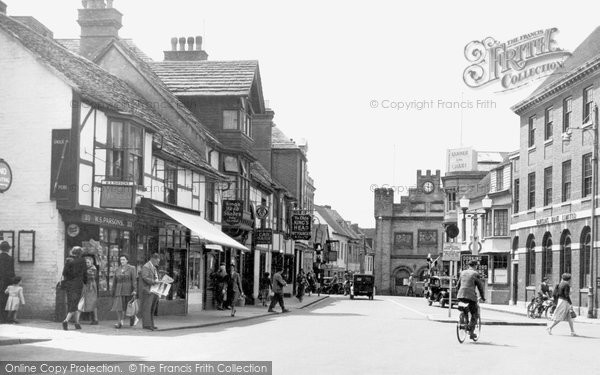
<point>301,229</point>
<point>482,265</point>
<point>60,165</point>
<point>5,176</point>
<point>263,236</point>
<point>232,211</point>
<point>117,194</point>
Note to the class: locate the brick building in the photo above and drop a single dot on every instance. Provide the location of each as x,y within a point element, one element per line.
<point>552,186</point>
<point>406,232</point>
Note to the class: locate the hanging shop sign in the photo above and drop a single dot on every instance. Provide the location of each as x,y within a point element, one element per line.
<point>262,212</point>
<point>232,211</point>
<point>117,194</point>
<point>263,236</point>
<point>6,176</point>
<point>301,227</point>
<point>60,166</point>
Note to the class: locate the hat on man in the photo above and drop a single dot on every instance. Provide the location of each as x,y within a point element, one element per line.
<point>4,246</point>
<point>473,263</point>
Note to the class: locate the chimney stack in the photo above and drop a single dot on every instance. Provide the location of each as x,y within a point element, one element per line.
<point>190,49</point>
<point>100,23</point>
<point>2,8</point>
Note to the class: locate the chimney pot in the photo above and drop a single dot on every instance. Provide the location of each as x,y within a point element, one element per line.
<point>182,44</point>
<point>190,41</point>
<point>109,3</point>
<point>198,43</point>
<point>174,44</point>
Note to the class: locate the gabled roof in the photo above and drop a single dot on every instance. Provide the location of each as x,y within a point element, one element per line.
<point>584,56</point>
<point>100,88</point>
<point>279,140</point>
<point>73,46</point>
<point>259,174</point>
<point>208,78</point>
<point>335,221</point>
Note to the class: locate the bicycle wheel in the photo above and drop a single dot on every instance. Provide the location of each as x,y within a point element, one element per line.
<point>461,327</point>
<point>531,310</point>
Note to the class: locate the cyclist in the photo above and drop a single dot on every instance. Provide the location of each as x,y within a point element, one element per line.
<point>468,281</point>
<point>543,294</point>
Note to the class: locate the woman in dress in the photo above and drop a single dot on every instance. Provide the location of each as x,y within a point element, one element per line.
<point>73,277</point>
<point>90,290</point>
<point>563,309</point>
<point>124,290</point>
<point>235,286</point>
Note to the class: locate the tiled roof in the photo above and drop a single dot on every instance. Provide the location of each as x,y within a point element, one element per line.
<point>280,140</point>
<point>99,87</point>
<point>335,221</point>
<point>207,78</point>
<point>586,54</point>
<point>73,46</point>
<point>480,189</point>
<point>261,175</point>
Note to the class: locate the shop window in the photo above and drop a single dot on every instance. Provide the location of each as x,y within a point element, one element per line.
<point>124,152</point>
<point>500,269</point>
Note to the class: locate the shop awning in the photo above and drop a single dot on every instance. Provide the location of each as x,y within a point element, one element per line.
<point>213,247</point>
<point>202,228</point>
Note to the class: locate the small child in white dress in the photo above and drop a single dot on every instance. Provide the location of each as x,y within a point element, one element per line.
<point>15,299</point>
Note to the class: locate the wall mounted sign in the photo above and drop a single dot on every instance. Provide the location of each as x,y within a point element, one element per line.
<point>262,212</point>
<point>60,164</point>
<point>403,240</point>
<point>232,211</point>
<point>6,176</point>
<point>73,230</point>
<point>482,265</point>
<point>428,237</point>
<point>26,246</point>
<point>263,236</point>
<point>301,227</point>
<point>117,194</point>
<point>106,221</point>
<point>8,236</point>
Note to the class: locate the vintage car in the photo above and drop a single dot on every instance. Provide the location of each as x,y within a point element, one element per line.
<point>362,285</point>
<point>438,290</point>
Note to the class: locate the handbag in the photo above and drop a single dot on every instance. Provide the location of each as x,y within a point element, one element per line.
<point>572,313</point>
<point>132,307</point>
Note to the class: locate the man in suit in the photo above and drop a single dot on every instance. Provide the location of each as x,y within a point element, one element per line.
<point>7,273</point>
<point>278,284</point>
<point>149,300</point>
<point>468,281</point>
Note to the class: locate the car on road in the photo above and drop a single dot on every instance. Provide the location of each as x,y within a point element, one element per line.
<point>362,285</point>
<point>439,290</point>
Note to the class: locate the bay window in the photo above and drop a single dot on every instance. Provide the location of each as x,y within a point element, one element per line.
<point>124,152</point>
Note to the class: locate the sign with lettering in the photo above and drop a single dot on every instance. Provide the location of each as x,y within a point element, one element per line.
<point>60,168</point>
<point>482,265</point>
<point>106,221</point>
<point>461,159</point>
<point>301,227</point>
<point>451,252</point>
<point>263,236</point>
<point>262,212</point>
<point>232,211</point>
<point>556,219</point>
<point>5,176</point>
<point>117,194</point>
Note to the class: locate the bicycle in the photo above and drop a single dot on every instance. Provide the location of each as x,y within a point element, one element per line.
<point>462,324</point>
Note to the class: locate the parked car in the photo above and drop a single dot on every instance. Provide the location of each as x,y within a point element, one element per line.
<point>439,290</point>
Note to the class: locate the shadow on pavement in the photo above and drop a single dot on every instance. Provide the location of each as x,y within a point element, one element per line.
<point>489,343</point>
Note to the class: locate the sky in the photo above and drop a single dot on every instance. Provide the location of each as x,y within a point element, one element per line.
<point>332,69</point>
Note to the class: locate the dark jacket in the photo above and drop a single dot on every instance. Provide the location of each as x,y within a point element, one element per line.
<point>75,274</point>
<point>7,270</point>
<point>467,281</point>
<point>564,291</point>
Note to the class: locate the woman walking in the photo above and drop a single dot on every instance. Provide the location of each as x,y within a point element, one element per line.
<point>564,308</point>
<point>73,276</point>
<point>265,287</point>
<point>301,280</point>
<point>124,290</point>
<point>235,286</point>
<point>90,290</point>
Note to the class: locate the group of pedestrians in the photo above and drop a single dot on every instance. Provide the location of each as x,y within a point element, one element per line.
<point>228,288</point>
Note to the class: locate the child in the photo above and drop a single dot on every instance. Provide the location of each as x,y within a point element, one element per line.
<point>15,298</point>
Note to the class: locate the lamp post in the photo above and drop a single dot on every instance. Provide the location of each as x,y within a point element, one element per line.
<point>486,204</point>
<point>593,120</point>
<point>464,205</point>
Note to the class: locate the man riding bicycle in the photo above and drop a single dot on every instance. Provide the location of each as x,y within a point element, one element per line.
<point>468,281</point>
<point>542,295</point>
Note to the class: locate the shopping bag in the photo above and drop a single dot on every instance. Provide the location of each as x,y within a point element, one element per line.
<point>573,313</point>
<point>132,308</point>
<point>81,304</point>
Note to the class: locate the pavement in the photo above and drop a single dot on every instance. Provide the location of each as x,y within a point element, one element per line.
<point>37,330</point>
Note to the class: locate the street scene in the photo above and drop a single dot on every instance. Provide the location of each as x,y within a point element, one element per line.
<point>260,187</point>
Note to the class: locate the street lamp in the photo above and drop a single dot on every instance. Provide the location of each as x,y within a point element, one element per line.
<point>590,123</point>
<point>486,204</point>
<point>464,205</point>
